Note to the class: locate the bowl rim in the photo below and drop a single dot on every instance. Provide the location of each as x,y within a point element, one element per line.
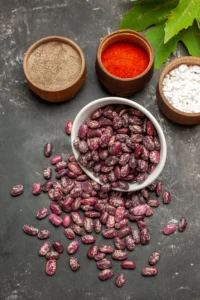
<point>131,103</point>
<point>168,68</point>
<point>51,39</point>
<point>124,32</point>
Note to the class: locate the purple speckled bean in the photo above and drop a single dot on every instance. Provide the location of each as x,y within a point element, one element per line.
<point>83,130</point>
<point>51,267</point>
<point>77,229</point>
<point>130,243</point>
<point>106,274</point>
<point>104,217</point>
<point>61,173</point>
<point>123,185</point>
<point>120,254</point>
<point>97,225</point>
<point>153,202</point>
<point>106,249</point>
<point>159,188</point>
<point>55,220</point>
<point>44,248</point>
<point>69,233</point>
<point>30,230</point>
<point>37,188</point>
<point>141,224</point>
<point>17,190</point>
<point>120,280</point>
<point>61,165</point>
<point>74,263</point>
<point>48,149</point>
<point>110,221</point>
<point>47,185</point>
<point>182,224</point>
<point>139,210</point>
<point>77,218</point>
<point>119,243</point>
<point>166,197</point>
<point>43,234</point>
<point>92,214</point>
<point>99,256</point>
<point>74,167</point>
<point>128,264</point>
<point>56,159</point>
<point>119,214</point>
<point>88,239</point>
<point>88,224</point>
<point>58,246</point>
<point>42,213</point>
<point>104,264</point>
<point>136,236</point>
<point>73,247</point>
<point>52,255</point>
<point>121,224</point>
<point>92,251</point>
<point>169,229</point>
<point>144,236</point>
<point>149,271</point>
<point>124,231</point>
<point>154,258</point>
<point>47,173</point>
<point>109,233</point>
<point>55,208</point>
<point>68,127</point>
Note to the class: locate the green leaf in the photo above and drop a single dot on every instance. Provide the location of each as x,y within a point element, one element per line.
<point>181,17</point>
<point>191,38</point>
<point>141,16</point>
<point>162,51</point>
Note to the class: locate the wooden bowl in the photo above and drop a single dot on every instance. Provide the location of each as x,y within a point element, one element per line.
<point>64,93</point>
<point>124,86</point>
<point>167,109</point>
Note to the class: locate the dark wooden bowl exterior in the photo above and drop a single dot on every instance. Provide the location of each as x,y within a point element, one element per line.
<point>167,109</point>
<point>61,95</point>
<point>120,86</point>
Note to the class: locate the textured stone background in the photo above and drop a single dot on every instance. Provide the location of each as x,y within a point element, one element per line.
<point>27,122</point>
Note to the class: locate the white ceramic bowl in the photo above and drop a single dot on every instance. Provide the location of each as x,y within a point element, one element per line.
<point>91,107</point>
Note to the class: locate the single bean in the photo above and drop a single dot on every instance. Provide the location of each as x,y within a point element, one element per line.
<point>128,264</point>
<point>56,159</point>
<point>30,230</point>
<point>92,251</point>
<point>69,233</point>
<point>48,149</point>
<point>37,188</point>
<point>44,248</point>
<point>99,256</point>
<point>169,229</point>
<point>17,190</point>
<point>109,233</point>
<point>119,243</point>
<point>88,239</point>
<point>104,264</point>
<point>77,218</point>
<point>182,224</point>
<point>74,263</point>
<point>130,243</point>
<point>119,254</point>
<point>166,197</point>
<point>154,258</point>
<point>47,185</point>
<point>73,247</point>
<point>58,246</point>
<point>106,274</point>
<point>42,213</point>
<point>52,255</point>
<point>124,231</point>
<point>77,229</point>
<point>55,220</point>
<point>55,208</point>
<point>149,271</point>
<point>66,221</point>
<point>106,249</point>
<point>51,267</point>
<point>47,173</point>
<point>43,234</point>
<point>68,127</point>
<point>120,280</point>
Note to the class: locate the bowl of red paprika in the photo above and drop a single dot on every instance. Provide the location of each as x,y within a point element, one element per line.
<point>124,62</point>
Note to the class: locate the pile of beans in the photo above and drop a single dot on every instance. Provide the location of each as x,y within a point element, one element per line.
<point>89,210</point>
<point>119,144</point>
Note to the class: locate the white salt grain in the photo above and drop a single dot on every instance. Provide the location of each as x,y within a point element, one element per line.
<point>181,88</point>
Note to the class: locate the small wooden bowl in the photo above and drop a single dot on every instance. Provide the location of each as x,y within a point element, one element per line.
<point>124,86</point>
<point>167,109</point>
<point>56,95</point>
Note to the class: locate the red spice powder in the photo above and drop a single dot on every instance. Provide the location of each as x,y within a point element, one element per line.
<point>125,60</point>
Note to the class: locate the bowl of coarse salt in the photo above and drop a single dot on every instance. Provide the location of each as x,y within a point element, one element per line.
<point>178,90</point>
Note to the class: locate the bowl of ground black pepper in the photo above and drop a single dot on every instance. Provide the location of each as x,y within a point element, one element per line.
<point>55,68</point>
<point>124,62</point>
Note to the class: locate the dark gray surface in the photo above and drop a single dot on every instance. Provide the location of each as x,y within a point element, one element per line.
<point>27,122</point>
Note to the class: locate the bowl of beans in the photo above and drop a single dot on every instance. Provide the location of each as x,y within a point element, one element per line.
<point>119,144</point>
